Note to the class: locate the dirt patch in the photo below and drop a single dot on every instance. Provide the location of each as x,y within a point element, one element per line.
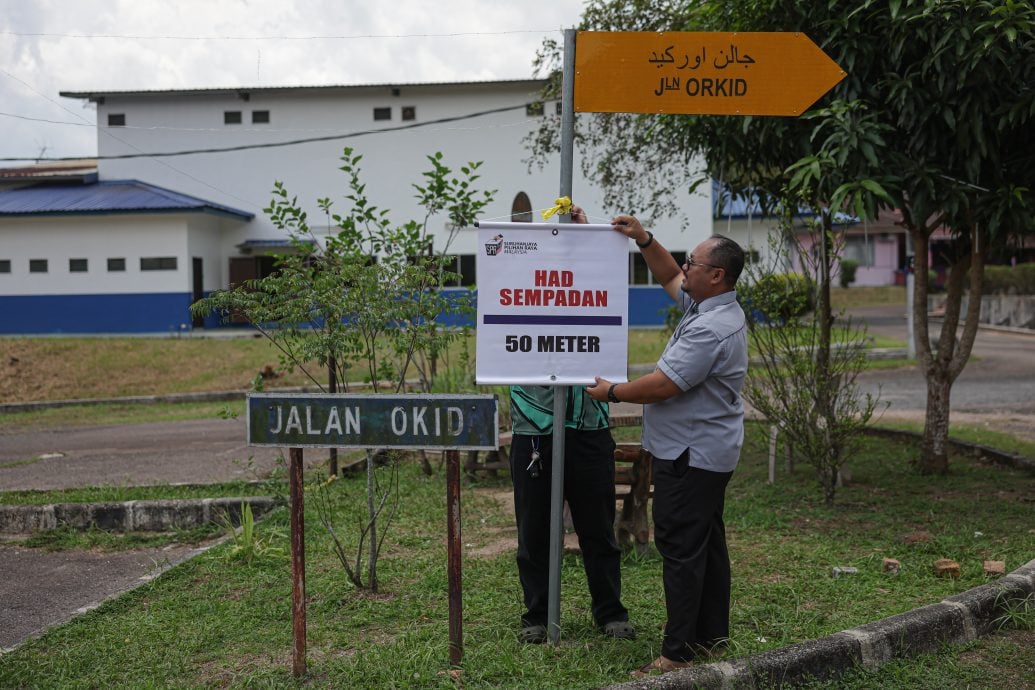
<point>490,542</point>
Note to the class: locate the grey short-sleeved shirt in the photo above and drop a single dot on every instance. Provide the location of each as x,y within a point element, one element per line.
<point>707,358</point>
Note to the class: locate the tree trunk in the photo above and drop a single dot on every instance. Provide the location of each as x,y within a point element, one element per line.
<point>372,513</point>
<point>934,456</point>
<point>941,367</point>
<point>826,319</point>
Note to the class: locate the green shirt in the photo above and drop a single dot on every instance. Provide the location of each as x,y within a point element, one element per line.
<point>531,410</point>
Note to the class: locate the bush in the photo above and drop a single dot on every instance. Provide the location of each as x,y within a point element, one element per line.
<point>777,297</point>
<point>1016,280</point>
<point>847,275</point>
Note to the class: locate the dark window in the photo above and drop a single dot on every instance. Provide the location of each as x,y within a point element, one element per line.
<point>409,112</point>
<point>158,263</point>
<point>559,108</point>
<point>463,266</point>
<point>232,117</point>
<point>534,109</point>
<point>521,209</point>
<point>467,270</point>
<point>260,117</point>
<point>5,265</point>
<point>77,265</point>
<point>116,119</point>
<point>116,265</point>
<point>639,274</point>
<point>37,265</point>
<point>382,113</point>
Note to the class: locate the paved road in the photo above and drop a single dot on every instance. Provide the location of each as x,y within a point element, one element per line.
<point>201,451</point>
<point>39,589</point>
<point>996,388</point>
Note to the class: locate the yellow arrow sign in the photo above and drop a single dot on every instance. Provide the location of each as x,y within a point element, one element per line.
<point>704,73</point>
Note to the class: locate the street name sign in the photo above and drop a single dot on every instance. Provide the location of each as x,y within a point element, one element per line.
<point>701,73</point>
<point>428,421</point>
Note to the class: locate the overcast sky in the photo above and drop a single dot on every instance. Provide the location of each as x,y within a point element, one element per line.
<point>47,46</point>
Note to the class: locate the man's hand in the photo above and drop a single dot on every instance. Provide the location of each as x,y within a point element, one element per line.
<point>630,227</point>
<point>598,391</point>
<point>578,215</point>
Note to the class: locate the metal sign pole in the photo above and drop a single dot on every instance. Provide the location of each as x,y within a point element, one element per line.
<point>560,393</point>
<point>297,563</point>
<point>456,619</point>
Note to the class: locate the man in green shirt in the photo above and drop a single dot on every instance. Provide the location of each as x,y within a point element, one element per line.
<point>589,489</point>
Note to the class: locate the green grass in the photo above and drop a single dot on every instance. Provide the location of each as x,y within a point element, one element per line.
<point>143,493</point>
<point>65,538</point>
<point>215,621</point>
<point>1000,660</point>
<point>116,413</point>
<point>972,434</point>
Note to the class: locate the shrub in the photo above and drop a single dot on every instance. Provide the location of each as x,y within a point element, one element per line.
<point>1018,280</point>
<point>777,297</point>
<point>847,275</point>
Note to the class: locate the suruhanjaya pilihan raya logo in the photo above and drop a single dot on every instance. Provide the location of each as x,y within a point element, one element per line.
<point>497,246</point>
<point>493,246</point>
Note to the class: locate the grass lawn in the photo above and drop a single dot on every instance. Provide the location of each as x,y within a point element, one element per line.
<point>218,621</point>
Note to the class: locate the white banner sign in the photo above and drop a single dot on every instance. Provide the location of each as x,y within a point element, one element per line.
<point>553,304</point>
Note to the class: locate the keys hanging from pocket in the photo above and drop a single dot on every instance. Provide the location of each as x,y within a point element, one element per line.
<point>535,465</point>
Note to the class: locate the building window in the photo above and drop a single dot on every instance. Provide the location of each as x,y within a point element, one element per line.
<point>409,112</point>
<point>639,274</point>
<point>116,119</point>
<point>382,113</point>
<point>859,249</point>
<point>77,265</point>
<point>158,263</point>
<point>115,265</point>
<point>463,266</point>
<point>37,265</point>
<point>260,117</point>
<point>5,265</point>
<point>521,209</point>
<point>534,109</point>
<point>232,117</point>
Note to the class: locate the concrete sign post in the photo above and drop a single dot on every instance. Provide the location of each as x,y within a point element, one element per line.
<point>445,422</point>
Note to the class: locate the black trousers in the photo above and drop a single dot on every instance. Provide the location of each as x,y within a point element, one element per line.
<point>691,538</point>
<point>589,489</point>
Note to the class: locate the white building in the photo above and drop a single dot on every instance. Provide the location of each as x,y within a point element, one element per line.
<point>215,154</point>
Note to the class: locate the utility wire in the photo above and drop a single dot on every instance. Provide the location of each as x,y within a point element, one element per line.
<point>347,37</point>
<point>121,141</point>
<point>279,144</point>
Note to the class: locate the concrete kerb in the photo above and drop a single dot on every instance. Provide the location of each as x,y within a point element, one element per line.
<point>955,620</point>
<point>131,516</point>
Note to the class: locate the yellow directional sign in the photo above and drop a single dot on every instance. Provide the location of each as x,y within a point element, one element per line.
<point>705,73</point>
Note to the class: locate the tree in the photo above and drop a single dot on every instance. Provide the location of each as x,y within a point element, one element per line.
<point>801,385</point>
<point>367,296</point>
<point>932,119</point>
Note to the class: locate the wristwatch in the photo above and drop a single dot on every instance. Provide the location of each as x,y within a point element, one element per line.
<point>611,397</point>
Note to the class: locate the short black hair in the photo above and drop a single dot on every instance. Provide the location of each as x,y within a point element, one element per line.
<point>729,255</point>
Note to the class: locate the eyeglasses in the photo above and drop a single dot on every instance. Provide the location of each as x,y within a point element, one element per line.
<point>690,263</point>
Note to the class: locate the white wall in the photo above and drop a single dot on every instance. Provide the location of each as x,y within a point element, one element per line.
<point>392,161</point>
<point>205,235</point>
<point>95,238</point>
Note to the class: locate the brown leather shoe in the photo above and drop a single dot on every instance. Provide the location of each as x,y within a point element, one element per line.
<point>659,666</point>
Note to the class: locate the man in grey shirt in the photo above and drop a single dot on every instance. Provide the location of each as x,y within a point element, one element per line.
<point>693,425</point>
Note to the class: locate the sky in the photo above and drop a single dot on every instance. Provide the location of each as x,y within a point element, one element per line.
<point>49,46</point>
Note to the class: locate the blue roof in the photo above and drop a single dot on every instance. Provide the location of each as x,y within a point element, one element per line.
<point>106,197</point>
<point>724,206</point>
